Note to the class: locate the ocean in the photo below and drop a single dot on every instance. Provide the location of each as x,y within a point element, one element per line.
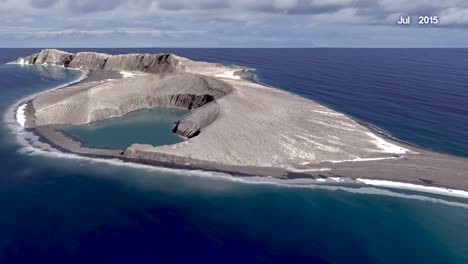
<point>60,208</point>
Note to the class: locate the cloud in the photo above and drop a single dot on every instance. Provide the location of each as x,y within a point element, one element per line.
<point>92,6</point>
<point>364,8</point>
<point>42,3</point>
<point>454,16</point>
<point>217,22</point>
<point>285,4</point>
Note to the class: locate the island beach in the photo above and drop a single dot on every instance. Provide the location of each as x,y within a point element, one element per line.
<point>236,125</point>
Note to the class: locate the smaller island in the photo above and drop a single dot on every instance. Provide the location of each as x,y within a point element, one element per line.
<point>235,124</point>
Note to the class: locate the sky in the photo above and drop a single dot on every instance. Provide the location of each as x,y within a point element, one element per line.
<point>231,23</point>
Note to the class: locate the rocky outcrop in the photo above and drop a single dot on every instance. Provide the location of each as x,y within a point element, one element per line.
<point>48,56</point>
<point>89,61</point>
<point>150,63</point>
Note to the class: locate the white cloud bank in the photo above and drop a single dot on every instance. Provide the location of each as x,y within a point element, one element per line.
<point>306,23</point>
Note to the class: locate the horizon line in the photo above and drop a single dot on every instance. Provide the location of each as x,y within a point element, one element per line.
<point>151,47</point>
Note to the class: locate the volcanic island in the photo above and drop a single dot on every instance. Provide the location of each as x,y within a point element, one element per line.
<point>235,124</point>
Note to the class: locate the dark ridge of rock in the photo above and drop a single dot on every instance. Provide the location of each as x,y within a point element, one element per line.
<point>150,63</point>
<point>190,101</point>
<point>89,60</point>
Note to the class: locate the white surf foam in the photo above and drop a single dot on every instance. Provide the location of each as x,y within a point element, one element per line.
<point>362,159</point>
<point>229,75</point>
<point>414,187</point>
<point>15,116</point>
<point>22,62</point>
<point>20,116</point>
<point>126,74</point>
<point>291,169</point>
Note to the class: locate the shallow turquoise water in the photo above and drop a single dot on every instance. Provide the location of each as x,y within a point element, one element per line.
<point>150,126</point>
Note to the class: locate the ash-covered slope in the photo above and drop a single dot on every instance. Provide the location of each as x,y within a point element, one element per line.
<point>150,63</point>
<point>234,121</point>
<point>89,102</point>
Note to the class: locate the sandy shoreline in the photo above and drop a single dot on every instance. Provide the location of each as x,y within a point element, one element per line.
<point>324,173</point>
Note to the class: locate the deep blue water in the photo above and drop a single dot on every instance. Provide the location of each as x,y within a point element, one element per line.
<point>64,210</point>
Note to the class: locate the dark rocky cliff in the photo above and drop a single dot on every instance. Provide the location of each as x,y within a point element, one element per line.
<point>151,63</point>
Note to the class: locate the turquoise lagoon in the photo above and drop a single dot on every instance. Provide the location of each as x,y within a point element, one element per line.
<point>148,126</point>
